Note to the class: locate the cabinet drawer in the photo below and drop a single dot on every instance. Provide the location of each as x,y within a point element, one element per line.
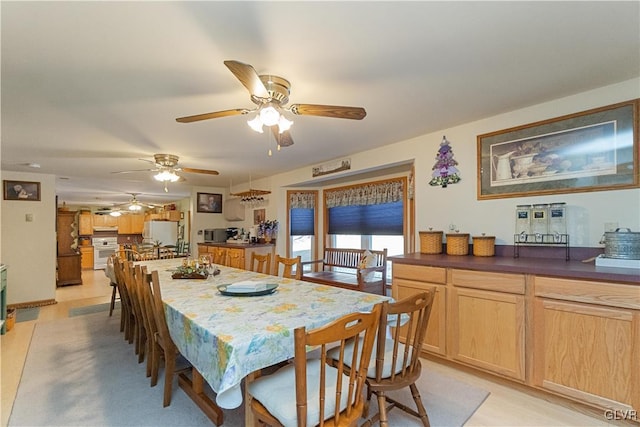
<point>499,282</point>
<point>421,273</point>
<point>601,293</point>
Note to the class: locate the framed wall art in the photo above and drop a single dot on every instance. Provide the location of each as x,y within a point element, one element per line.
<point>259,216</point>
<point>209,203</point>
<point>21,190</point>
<point>594,150</point>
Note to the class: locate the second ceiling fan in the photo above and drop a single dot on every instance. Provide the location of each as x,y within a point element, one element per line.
<point>271,94</point>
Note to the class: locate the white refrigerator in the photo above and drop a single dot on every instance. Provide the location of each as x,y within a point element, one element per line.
<point>165,232</point>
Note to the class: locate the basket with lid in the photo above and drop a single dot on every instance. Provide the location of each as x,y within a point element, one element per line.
<point>484,245</point>
<point>622,244</point>
<point>458,244</point>
<point>430,242</point>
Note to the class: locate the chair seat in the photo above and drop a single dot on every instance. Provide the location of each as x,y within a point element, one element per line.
<point>276,392</point>
<point>371,369</point>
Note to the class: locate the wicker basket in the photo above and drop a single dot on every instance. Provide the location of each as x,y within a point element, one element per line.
<point>458,244</point>
<point>431,242</point>
<point>484,245</point>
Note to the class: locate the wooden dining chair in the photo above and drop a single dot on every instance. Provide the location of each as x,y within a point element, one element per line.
<point>140,332</point>
<point>287,267</point>
<point>165,347</point>
<point>261,263</point>
<point>166,253</point>
<point>396,362</point>
<point>143,290</point>
<point>113,282</point>
<point>312,392</point>
<point>127,319</point>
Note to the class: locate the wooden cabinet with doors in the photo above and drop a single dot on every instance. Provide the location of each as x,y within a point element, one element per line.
<point>85,226</point>
<point>130,224</point>
<point>411,279</point>
<point>487,321</point>
<point>587,341</point>
<point>105,221</point>
<point>86,253</point>
<point>232,255</point>
<point>68,256</point>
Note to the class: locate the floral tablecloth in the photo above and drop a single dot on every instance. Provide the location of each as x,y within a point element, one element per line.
<point>228,337</point>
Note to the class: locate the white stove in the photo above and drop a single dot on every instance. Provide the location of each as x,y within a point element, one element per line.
<point>103,248</point>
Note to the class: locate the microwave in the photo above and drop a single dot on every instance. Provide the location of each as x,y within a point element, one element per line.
<point>215,235</point>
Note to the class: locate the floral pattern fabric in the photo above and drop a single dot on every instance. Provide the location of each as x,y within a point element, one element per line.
<point>228,337</point>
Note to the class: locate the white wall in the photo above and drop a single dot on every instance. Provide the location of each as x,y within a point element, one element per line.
<point>458,205</point>
<point>29,248</point>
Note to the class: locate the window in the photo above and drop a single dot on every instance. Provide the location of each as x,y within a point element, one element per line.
<point>302,224</point>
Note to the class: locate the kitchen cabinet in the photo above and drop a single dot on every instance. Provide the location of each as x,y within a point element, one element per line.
<point>69,270</point>
<point>587,341</point>
<point>487,321</point>
<point>235,255</point>
<point>565,328</point>
<point>86,253</point>
<point>105,221</point>
<point>130,224</point>
<point>163,216</point>
<point>409,280</point>
<point>85,224</point>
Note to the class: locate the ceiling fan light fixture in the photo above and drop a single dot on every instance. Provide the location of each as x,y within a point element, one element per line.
<point>269,116</point>
<point>256,124</point>
<point>284,124</point>
<point>115,213</point>
<point>135,207</point>
<point>165,176</point>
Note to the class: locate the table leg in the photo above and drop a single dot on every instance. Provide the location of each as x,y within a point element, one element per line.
<point>194,388</point>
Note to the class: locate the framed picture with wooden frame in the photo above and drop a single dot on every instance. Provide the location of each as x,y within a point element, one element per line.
<point>594,150</point>
<point>209,203</point>
<point>21,190</point>
<point>259,216</point>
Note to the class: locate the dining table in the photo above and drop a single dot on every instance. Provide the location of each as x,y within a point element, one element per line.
<point>230,336</point>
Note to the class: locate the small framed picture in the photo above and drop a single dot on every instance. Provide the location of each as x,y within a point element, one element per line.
<point>209,203</point>
<point>21,190</point>
<point>258,216</point>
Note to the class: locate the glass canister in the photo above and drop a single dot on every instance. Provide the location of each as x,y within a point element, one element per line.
<point>539,221</point>
<point>557,220</point>
<point>523,222</point>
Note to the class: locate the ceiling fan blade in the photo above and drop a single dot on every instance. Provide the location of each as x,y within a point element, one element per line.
<point>335,111</point>
<point>214,115</point>
<point>248,77</point>
<point>136,170</point>
<point>205,171</point>
<point>283,139</point>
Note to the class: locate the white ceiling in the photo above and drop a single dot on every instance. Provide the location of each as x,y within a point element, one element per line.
<point>89,88</point>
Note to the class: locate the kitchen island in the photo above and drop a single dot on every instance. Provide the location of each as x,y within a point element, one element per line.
<point>236,255</point>
<point>565,327</point>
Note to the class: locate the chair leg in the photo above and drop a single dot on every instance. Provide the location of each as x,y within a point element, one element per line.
<point>155,365</point>
<point>169,369</point>
<point>113,299</point>
<point>423,412</point>
<point>382,409</point>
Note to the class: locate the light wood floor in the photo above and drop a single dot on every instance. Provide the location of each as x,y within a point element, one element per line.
<point>506,406</point>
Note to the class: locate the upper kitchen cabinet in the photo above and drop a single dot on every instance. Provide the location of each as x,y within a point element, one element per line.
<point>130,224</point>
<point>105,221</point>
<point>85,227</point>
<point>163,216</point>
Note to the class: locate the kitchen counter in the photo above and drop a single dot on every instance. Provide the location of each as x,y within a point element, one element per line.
<point>236,245</point>
<point>539,266</point>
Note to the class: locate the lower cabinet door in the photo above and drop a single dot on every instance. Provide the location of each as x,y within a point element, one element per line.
<point>487,330</point>
<point>587,352</point>
<point>435,341</point>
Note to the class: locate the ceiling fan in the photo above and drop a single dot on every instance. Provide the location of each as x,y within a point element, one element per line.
<point>166,166</point>
<point>135,205</point>
<point>271,94</point>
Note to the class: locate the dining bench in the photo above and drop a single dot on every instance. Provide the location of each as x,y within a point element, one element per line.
<point>359,269</point>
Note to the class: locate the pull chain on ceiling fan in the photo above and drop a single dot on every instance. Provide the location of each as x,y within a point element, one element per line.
<point>270,94</point>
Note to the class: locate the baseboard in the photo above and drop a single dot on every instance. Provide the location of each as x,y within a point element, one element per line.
<point>31,304</point>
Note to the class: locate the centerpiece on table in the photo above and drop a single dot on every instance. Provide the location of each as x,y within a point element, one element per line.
<point>267,230</point>
<point>191,269</point>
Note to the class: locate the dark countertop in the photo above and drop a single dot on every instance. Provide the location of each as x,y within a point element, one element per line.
<point>237,245</point>
<point>539,266</point>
